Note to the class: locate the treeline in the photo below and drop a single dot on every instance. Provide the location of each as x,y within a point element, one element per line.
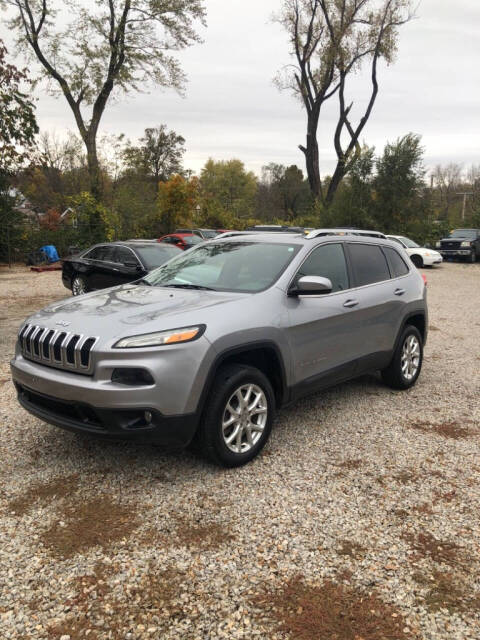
<point>146,192</point>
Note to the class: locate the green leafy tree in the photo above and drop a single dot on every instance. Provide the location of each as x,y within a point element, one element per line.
<point>230,186</point>
<point>106,48</point>
<point>159,155</point>
<point>399,188</point>
<point>18,126</point>
<point>329,41</point>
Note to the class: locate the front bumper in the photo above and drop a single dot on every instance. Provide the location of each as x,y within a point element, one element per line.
<point>451,253</point>
<point>110,424</point>
<point>430,261</point>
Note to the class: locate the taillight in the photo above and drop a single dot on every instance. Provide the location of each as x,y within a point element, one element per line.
<point>424,277</point>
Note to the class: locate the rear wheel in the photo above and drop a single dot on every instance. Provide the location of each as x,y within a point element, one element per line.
<point>79,286</point>
<point>238,417</point>
<point>417,261</point>
<point>406,364</point>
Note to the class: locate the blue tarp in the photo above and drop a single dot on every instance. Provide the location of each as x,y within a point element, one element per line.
<point>51,252</point>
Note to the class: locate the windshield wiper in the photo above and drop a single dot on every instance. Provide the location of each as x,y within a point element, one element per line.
<point>189,286</point>
<point>143,281</point>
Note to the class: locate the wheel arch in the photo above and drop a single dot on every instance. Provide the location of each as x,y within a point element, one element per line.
<point>263,355</point>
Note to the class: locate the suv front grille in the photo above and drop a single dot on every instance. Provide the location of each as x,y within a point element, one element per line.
<point>60,349</point>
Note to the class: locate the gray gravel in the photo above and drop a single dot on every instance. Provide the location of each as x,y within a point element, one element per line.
<point>362,486</point>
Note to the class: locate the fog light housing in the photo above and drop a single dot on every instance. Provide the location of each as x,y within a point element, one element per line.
<point>132,377</point>
<point>148,415</point>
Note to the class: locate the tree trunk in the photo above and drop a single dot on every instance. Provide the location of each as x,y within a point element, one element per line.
<point>93,168</point>
<point>335,181</point>
<point>312,158</point>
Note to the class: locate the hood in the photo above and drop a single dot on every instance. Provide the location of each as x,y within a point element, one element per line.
<point>133,309</point>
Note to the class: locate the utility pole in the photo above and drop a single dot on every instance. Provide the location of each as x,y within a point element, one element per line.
<point>464,194</point>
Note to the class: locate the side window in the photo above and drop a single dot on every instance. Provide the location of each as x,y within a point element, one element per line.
<point>108,254</point>
<point>397,264</point>
<point>328,261</point>
<point>123,255</point>
<point>369,264</point>
<point>94,254</point>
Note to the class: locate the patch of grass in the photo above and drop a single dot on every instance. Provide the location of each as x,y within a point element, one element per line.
<point>83,524</point>
<point>331,611</point>
<point>43,493</point>
<point>450,429</point>
<point>445,590</point>
<point>351,549</point>
<point>427,546</point>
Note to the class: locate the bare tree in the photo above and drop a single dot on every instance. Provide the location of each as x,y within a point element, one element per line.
<point>447,180</point>
<point>118,44</point>
<point>330,40</point>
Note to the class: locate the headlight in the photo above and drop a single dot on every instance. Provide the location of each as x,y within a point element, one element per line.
<point>160,338</point>
<point>438,245</point>
<point>465,244</point>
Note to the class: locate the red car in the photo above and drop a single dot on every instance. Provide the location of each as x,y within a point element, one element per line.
<point>181,240</point>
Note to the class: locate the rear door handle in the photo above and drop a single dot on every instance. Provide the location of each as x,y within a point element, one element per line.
<point>350,303</point>
<point>399,292</point>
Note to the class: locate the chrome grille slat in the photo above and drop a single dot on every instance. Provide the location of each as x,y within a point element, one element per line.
<point>74,349</point>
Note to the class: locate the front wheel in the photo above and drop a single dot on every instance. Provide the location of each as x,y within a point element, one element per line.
<point>238,418</point>
<point>79,286</point>
<point>406,364</point>
<point>417,261</point>
<point>473,256</point>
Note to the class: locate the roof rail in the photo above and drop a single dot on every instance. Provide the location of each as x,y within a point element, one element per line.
<point>316,233</point>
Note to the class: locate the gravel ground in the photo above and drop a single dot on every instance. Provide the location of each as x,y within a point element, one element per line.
<point>359,521</point>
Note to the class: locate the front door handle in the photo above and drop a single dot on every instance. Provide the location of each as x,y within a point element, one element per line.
<point>350,303</point>
<point>399,292</point>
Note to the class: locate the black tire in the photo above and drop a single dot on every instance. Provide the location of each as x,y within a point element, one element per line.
<point>79,285</point>
<point>473,256</point>
<point>393,375</point>
<point>210,436</point>
<point>417,261</point>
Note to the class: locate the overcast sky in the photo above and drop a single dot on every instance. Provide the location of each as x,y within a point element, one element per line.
<point>232,109</point>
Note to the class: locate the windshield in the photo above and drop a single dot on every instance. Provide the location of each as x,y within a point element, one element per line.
<point>464,233</point>
<point>191,240</point>
<point>226,266</point>
<point>410,244</point>
<point>156,255</point>
<point>209,233</point>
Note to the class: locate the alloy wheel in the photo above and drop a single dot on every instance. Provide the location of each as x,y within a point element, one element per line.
<point>78,286</point>
<point>244,418</point>
<point>411,354</point>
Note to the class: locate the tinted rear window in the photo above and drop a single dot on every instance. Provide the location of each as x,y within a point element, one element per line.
<point>396,263</point>
<point>369,264</point>
<point>157,254</point>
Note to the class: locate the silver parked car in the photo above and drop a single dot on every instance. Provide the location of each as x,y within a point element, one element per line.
<point>211,344</point>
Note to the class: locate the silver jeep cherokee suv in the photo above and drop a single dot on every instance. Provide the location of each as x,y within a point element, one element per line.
<point>209,345</point>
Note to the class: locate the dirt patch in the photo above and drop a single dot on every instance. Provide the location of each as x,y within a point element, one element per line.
<point>183,532</point>
<point>445,590</point>
<point>98,612</point>
<point>426,545</point>
<point>350,465</point>
<point>83,524</point>
<point>331,611</point>
<point>43,493</point>
<point>351,549</point>
<point>406,476</point>
<point>451,429</point>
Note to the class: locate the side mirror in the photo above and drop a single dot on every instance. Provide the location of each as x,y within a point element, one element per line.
<point>311,286</point>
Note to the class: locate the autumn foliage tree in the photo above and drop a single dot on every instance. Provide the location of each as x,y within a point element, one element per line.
<point>176,203</point>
